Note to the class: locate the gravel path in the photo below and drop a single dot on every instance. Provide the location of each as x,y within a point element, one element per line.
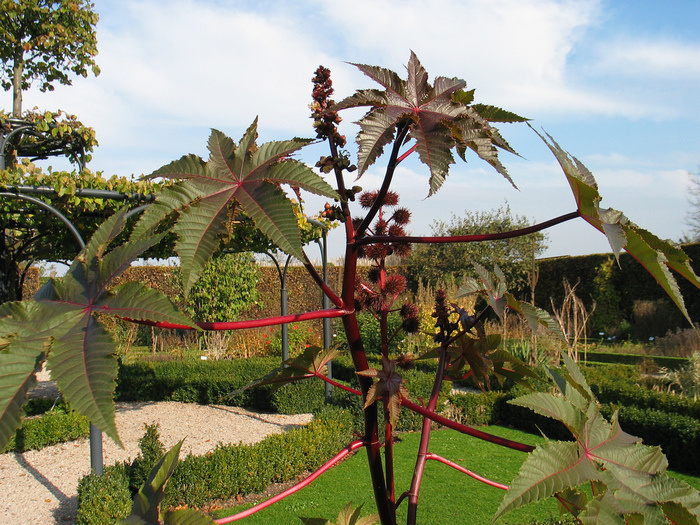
<point>39,486</point>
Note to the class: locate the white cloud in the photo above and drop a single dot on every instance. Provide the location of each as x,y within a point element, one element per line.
<point>673,60</point>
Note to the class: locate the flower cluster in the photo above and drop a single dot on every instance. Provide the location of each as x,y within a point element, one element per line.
<point>325,120</point>
<point>442,318</point>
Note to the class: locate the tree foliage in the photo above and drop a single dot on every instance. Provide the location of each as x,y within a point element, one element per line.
<point>45,40</point>
<point>435,263</point>
<point>30,234</point>
<point>46,134</point>
<point>226,287</point>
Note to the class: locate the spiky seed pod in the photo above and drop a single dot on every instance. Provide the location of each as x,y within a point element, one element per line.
<point>380,227</point>
<point>395,285</point>
<point>391,198</point>
<point>375,251</point>
<point>367,199</point>
<point>402,249</point>
<point>410,325</point>
<point>396,231</point>
<point>378,303</point>
<point>373,275</point>
<point>409,310</point>
<point>402,216</point>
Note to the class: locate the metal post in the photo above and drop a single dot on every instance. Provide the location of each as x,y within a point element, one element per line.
<point>325,302</point>
<point>283,301</point>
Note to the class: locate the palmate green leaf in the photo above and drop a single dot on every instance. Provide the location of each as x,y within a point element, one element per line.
<point>656,255</point>
<point>241,177</point>
<point>25,342</point>
<point>146,507</point>
<point>631,484</point>
<point>82,358</point>
<point>312,363</point>
<point>507,366</point>
<point>439,117</point>
<point>535,316</point>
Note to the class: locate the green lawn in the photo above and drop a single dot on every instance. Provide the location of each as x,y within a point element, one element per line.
<point>447,496</point>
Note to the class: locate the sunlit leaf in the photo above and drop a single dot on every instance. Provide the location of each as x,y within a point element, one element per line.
<point>656,255</point>
<point>629,478</point>
<point>390,388</point>
<point>439,117</point>
<point>237,178</point>
<point>311,363</point>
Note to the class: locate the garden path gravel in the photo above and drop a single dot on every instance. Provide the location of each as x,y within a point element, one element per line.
<point>39,486</point>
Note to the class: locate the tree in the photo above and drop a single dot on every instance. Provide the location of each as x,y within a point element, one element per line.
<point>436,263</point>
<point>45,40</point>
<point>693,217</point>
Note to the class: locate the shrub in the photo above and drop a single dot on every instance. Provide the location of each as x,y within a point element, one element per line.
<point>151,451</point>
<point>106,498</point>
<point>53,427</point>
<point>203,382</point>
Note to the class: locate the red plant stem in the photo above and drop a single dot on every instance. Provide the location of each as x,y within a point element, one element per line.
<point>405,155</point>
<point>402,130</point>
<point>254,323</point>
<point>468,472</point>
<point>322,469</point>
<point>311,269</point>
<point>336,384</point>
<point>425,440</point>
<point>470,238</point>
<point>389,456</point>
<point>359,358</point>
<point>467,430</point>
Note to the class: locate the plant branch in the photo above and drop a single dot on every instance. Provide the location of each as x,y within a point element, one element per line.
<point>406,155</point>
<point>402,131</point>
<point>425,439</point>
<point>468,472</point>
<point>310,479</point>
<point>470,238</point>
<point>253,323</point>
<point>311,269</point>
<point>466,429</point>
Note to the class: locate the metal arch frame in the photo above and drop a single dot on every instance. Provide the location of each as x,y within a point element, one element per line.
<point>96,455</point>
<point>29,128</point>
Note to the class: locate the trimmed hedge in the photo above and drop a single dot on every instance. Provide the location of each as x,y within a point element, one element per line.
<point>672,363</point>
<point>55,426</point>
<point>223,473</point>
<point>203,382</point>
<point>96,509</point>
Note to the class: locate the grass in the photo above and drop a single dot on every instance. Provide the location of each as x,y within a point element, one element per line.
<point>446,496</point>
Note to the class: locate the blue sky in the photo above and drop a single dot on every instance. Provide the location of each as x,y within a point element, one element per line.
<point>614,82</point>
